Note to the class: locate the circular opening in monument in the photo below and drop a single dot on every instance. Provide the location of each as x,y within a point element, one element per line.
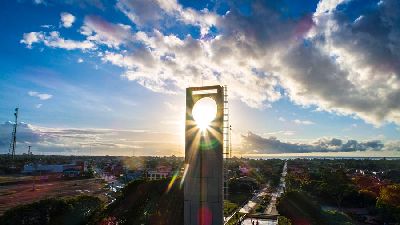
<point>204,112</point>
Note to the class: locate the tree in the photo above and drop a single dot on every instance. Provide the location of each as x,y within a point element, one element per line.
<point>57,211</point>
<point>389,202</point>
<point>284,221</point>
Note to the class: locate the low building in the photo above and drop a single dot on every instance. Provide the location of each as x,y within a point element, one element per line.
<point>39,168</point>
<point>131,175</point>
<point>161,172</point>
<point>70,170</point>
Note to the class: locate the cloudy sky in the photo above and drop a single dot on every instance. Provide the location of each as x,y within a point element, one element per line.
<point>108,77</point>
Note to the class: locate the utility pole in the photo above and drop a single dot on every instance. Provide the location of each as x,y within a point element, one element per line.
<point>14,138</point>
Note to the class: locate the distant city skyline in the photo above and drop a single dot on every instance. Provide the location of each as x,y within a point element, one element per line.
<point>108,77</point>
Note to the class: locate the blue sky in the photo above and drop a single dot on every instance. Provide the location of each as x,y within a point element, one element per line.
<point>108,77</point>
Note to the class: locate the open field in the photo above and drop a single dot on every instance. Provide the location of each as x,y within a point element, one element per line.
<point>5,180</point>
<point>22,193</point>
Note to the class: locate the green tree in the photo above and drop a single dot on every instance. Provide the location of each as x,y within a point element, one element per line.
<point>284,221</point>
<point>389,203</point>
<point>72,211</point>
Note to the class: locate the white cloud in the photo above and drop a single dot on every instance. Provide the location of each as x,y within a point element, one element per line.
<point>152,12</point>
<point>281,119</point>
<point>327,6</point>
<point>80,60</point>
<point>303,122</point>
<point>327,60</point>
<point>54,40</point>
<point>102,32</point>
<point>47,26</point>
<point>38,106</point>
<point>67,19</point>
<point>281,132</point>
<point>31,37</point>
<point>168,64</point>
<point>41,96</point>
<point>349,68</point>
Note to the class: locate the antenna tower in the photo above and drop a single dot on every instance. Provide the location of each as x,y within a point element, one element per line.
<point>14,136</point>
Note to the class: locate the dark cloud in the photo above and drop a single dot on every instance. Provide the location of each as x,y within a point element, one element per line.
<point>273,145</point>
<point>25,135</point>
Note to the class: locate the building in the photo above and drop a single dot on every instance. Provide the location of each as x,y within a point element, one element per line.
<point>131,175</point>
<point>69,170</point>
<point>161,172</point>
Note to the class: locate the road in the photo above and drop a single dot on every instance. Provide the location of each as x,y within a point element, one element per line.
<point>271,209</point>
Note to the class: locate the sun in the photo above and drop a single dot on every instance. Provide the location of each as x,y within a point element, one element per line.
<point>204,112</point>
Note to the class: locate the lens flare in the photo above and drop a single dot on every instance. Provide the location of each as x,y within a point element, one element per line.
<point>204,112</point>
<point>171,183</point>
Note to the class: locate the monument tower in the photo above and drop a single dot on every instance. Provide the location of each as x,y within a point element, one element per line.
<point>203,191</point>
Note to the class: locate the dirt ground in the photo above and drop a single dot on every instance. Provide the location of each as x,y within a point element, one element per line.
<point>16,194</point>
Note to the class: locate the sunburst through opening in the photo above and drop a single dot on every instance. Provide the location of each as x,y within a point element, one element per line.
<point>204,112</point>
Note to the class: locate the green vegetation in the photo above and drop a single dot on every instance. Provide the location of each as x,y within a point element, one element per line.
<point>284,221</point>
<point>70,211</point>
<point>141,201</point>
<point>229,208</point>
<point>242,185</point>
<point>300,207</point>
<point>353,189</point>
<point>333,217</point>
<point>389,203</point>
<point>146,202</point>
<point>262,206</point>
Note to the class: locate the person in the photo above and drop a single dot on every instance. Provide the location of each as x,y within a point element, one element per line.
<point>257,222</point>
<point>252,222</point>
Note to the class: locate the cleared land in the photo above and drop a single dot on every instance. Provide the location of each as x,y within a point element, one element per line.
<point>22,193</point>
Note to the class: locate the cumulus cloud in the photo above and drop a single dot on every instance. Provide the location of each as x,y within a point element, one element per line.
<point>149,13</point>
<point>41,96</point>
<point>67,19</point>
<point>102,32</point>
<point>54,40</point>
<point>273,145</point>
<point>31,37</point>
<point>338,59</point>
<point>352,63</point>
